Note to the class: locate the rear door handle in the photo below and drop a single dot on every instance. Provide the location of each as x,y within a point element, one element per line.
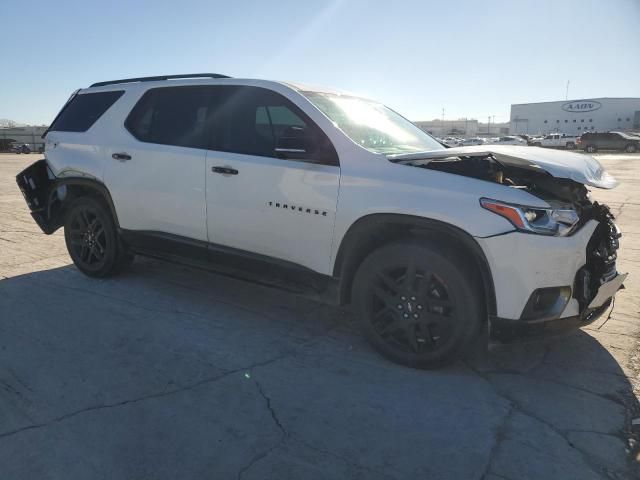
<point>224,170</point>
<point>123,157</point>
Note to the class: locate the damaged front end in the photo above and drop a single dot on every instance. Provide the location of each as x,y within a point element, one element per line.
<point>560,179</point>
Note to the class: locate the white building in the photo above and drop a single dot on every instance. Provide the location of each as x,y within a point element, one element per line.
<point>25,134</point>
<point>576,116</point>
<point>467,127</point>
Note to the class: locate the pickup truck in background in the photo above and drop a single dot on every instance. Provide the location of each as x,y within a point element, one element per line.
<point>557,140</point>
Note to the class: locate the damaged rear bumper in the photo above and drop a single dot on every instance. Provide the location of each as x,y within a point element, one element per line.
<point>36,184</point>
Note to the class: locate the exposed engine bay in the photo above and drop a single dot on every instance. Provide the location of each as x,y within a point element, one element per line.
<point>558,192</point>
<point>562,193</point>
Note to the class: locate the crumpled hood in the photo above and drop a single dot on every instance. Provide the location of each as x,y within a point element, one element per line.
<point>559,163</point>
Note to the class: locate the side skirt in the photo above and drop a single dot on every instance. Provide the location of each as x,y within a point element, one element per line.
<point>235,263</point>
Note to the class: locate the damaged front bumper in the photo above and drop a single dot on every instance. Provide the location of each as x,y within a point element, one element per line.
<point>553,285</point>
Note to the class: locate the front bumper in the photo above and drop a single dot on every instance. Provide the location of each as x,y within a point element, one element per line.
<point>522,264</point>
<point>504,330</point>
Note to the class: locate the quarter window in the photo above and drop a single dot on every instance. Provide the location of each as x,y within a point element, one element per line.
<point>83,111</point>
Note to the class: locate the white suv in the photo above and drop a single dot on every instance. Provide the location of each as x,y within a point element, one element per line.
<point>328,193</point>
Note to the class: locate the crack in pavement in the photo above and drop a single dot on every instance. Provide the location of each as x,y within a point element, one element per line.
<point>500,434</point>
<point>596,467</point>
<point>289,353</point>
<point>284,434</point>
<point>143,398</point>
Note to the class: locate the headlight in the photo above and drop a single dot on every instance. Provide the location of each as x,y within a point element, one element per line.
<point>544,221</point>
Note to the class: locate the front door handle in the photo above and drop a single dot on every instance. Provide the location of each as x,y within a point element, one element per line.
<point>122,157</point>
<point>224,170</point>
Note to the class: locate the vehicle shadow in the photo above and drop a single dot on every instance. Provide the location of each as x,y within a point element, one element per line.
<point>68,342</point>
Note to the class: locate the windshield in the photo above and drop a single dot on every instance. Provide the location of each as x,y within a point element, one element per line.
<point>372,125</point>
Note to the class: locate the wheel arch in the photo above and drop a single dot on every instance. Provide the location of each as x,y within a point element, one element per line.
<point>74,187</point>
<point>373,231</point>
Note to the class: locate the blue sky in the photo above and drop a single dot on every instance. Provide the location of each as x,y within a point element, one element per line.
<point>472,58</point>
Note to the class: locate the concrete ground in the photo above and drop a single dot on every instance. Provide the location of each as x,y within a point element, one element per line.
<point>170,372</point>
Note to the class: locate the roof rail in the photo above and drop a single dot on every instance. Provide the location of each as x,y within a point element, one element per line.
<point>161,77</point>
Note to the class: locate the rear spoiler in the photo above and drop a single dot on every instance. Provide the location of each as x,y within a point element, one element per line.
<point>73,95</point>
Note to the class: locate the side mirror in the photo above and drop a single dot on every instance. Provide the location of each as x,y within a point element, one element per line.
<point>295,142</point>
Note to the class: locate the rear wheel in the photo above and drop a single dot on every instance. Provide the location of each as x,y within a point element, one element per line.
<point>571,146</point>
<point>591,148</point>
<point>417,304</point>
<point>92,239</point>
<point>631,148</point>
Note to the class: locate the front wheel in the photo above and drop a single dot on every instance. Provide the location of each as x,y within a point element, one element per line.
<point>417,304</point>
<point>92,239</point>
<point>591,149</point>
<point>631,148</point>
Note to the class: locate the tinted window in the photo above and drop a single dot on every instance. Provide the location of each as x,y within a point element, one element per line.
<point>254,121</point>
<point>83,111</point>
<point>172,116</point>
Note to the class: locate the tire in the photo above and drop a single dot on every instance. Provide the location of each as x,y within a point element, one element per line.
<point>591,148</point>
<point>537,144</point>
<point>571,146</point>
<point>408,322</point>
<point>92,239</point>
<point>631,148</point>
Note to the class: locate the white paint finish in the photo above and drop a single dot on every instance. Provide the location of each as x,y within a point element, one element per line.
<point>172,189</point>
<point>370,184</point>
<point>162,188</point>
<point>561,164</point>
<point>71,154</point>
<point>242,209</point>
<point>521,263</point>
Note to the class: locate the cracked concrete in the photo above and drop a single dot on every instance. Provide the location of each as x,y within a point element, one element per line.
<point>170,372</point>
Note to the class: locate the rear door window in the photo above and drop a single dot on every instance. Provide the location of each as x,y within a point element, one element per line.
<point>177,116</point>
<point>83,111</point>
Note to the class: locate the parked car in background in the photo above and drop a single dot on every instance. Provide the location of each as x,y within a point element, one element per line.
<point>452,141</point>
<point>594,141</point>
<point>508,140</point>
<point>557,140</point>
<point>472,141</point>
<point>21,148</point>
<point>533,140</point>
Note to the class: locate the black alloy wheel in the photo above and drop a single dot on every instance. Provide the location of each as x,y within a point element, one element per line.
<point>87,237</point>
<point>92,239</point>
<point>417,305</point>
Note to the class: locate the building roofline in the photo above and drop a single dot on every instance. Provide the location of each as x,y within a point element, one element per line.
<point>578,100</point>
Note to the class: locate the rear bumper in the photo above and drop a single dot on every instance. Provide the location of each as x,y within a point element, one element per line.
<point>503,330</point>
<point>35,183</point>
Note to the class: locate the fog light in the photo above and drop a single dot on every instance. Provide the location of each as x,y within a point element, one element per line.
<point>546,303</point>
